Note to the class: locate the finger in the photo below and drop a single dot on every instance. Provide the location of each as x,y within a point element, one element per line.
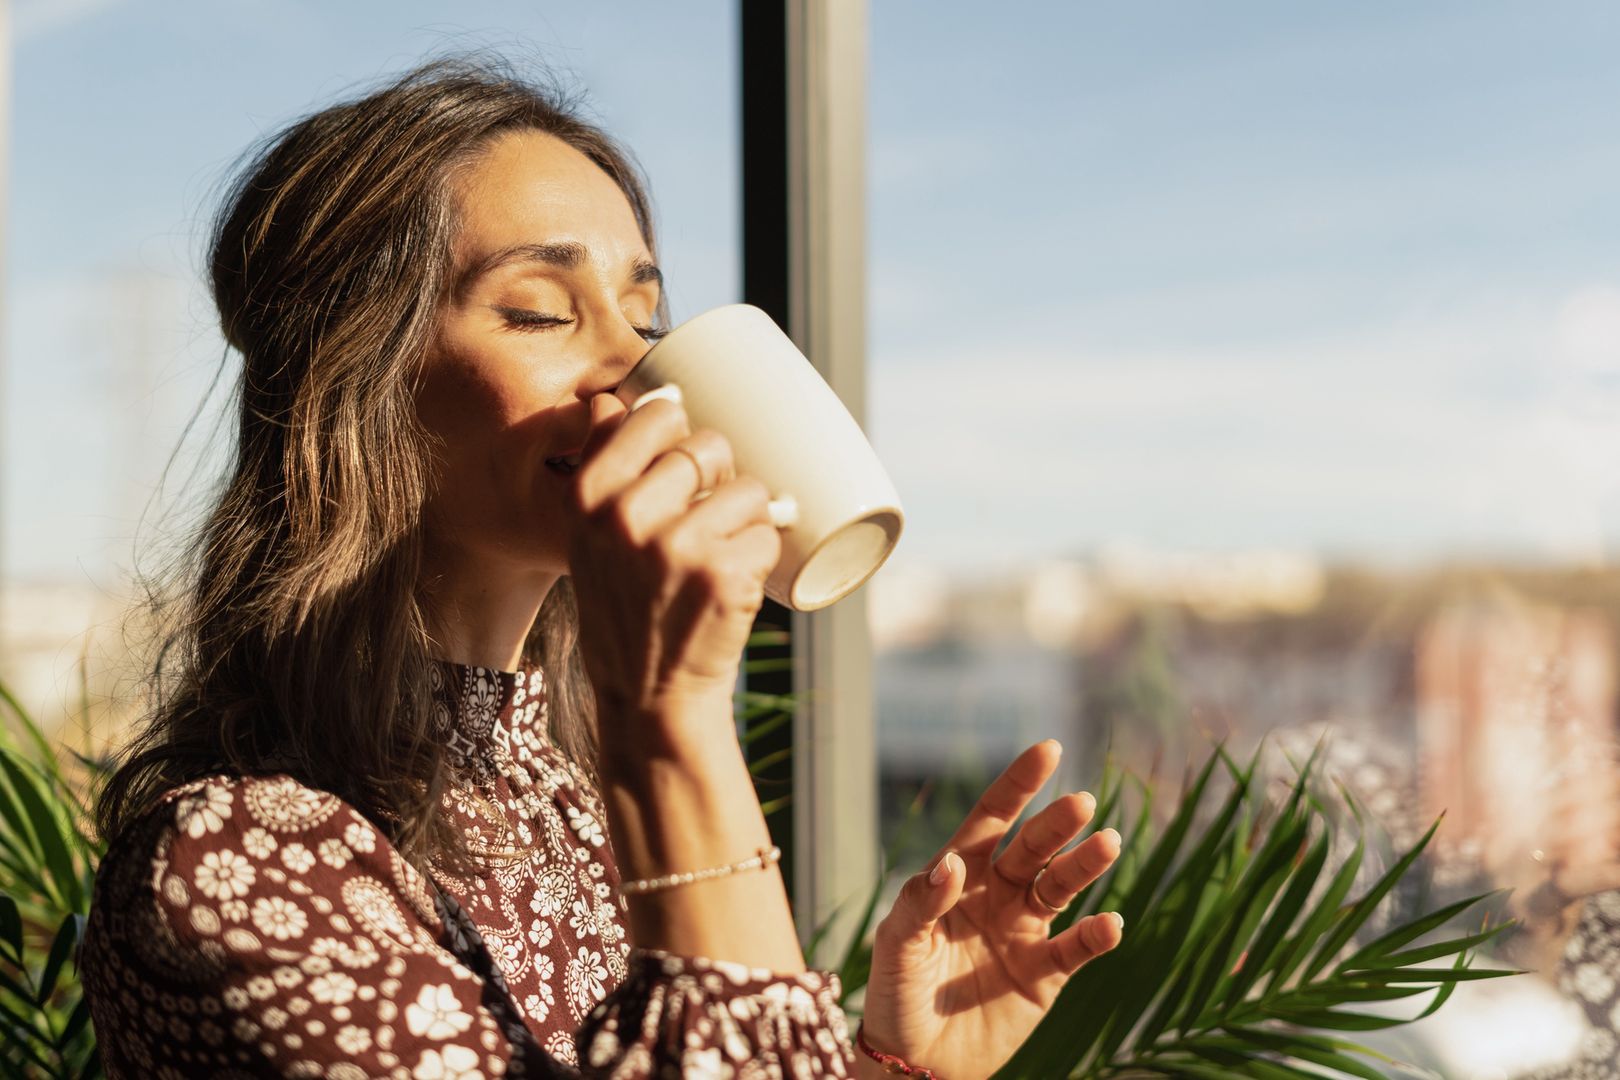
<point>606,414</point>
<point>731,507</point>
<point>614,461</point>
<point>728,536</point>
<point>710,461</point>
<point>1078,867</point>
<point>1007,796</point>
<point>1086,940</point>
<point>923,899</point>
<point>664,493</point>
<point>1043,836</point>
<point>755,551</point>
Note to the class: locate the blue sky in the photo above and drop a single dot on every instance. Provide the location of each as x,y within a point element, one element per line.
<point>1336,277</point>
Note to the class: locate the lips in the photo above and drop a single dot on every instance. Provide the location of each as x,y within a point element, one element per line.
<point>565,464</point>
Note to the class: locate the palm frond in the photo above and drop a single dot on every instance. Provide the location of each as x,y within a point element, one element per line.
<point>47,870</point>
<point>1244,954</point>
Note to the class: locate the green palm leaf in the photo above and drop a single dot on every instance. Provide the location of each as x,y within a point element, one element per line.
<point>1237,918</point>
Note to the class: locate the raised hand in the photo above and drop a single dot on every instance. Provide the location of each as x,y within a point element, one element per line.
<point>962,967</point>
<point>667,585</point>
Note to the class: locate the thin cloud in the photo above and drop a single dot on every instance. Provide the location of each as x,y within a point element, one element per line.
<point>1388,443</point>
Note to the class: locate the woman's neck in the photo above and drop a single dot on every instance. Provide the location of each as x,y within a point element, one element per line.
<point>480,610</point>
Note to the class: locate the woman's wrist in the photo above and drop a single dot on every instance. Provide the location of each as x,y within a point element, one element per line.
<point>679,799</point>
<point>683,803</point>
<point>685,726</point>
<point>875,1059</point>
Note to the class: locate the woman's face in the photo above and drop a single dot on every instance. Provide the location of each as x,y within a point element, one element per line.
<point>554,290</point>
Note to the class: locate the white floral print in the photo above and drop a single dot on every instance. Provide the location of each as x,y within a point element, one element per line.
<point>285,801</point>
<point>436,1013</point>
<point>482,701</point>
<point>205,812</point>
<point>224,874</point>
<point>455,1063</point>
<point>296,857</point>
<point>279,918</point>
<point>585,979</point>
<point>360,837</point>
<point>556,888</point>
<point>353,1040</point>
<point>258,842</point>
<point>537,1007</point>
<point>584,824</point>
<point>1587,976</point>
<point>335,853</point>
<point>582,918</point>
<point>333,988</point>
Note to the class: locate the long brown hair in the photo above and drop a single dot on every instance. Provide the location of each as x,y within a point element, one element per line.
<point>289,634</point>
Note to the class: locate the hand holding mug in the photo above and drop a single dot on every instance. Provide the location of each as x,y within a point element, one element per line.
<point>736,371</point>
<point>667,587</point>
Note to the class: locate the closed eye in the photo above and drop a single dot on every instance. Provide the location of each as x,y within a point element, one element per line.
<point>523,319</point>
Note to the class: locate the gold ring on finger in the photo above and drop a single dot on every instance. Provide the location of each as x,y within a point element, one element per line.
<point>703,484</point>
<point>1035,891</point>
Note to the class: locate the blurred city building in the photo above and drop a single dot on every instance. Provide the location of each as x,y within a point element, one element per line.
<point>1516,708</point>
<point>1470,690</point>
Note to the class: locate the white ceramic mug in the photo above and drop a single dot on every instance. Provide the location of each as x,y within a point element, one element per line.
<point>735,371</point>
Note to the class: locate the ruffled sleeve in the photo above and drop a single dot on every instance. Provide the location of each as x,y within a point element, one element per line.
<point>715,1018</point>
<point>259,927</point>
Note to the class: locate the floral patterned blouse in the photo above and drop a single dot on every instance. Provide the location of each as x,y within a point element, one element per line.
<point>253,926</point>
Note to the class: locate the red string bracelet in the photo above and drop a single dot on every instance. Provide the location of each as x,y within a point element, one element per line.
<point>890,1063</point>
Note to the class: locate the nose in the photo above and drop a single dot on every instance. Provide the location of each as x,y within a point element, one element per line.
<point>621,347</point>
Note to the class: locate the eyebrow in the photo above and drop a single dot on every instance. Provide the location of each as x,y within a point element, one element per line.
<point>563,254</point>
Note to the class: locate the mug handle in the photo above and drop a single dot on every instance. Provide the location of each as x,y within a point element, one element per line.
<point>784,511</point>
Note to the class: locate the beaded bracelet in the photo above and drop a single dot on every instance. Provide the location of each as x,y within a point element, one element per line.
<point>891,1064</point>
<point>760,859</point>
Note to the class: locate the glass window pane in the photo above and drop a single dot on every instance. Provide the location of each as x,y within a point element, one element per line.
<point>1254,370</point>
<point>128,120</point>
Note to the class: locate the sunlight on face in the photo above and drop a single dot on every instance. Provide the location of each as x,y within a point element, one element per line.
<point>554,295</point>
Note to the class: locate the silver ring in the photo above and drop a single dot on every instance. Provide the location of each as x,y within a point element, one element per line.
<point>1035,891</point>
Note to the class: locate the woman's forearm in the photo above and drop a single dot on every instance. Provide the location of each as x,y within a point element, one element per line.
<point>685,801</point>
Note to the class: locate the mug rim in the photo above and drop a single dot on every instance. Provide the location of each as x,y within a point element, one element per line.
<point>866,515</point>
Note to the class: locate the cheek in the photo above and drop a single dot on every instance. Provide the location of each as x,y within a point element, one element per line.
<point>493,419</point>
<point>458,397</point>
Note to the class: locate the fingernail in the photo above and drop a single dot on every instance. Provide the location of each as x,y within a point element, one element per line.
<point>1119,920</point>
<point>942,870</point>
<point>1113,834</point>
<point>669,392</point>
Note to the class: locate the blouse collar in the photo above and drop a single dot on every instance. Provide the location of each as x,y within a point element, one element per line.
<point>477,709</point>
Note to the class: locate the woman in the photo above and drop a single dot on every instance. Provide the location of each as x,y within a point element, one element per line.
<point>446,725</point>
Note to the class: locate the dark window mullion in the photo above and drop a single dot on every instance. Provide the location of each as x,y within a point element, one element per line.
<point>766,283</point>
